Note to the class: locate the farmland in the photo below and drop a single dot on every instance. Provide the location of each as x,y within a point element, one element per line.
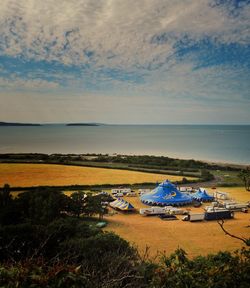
<point>27,175</point>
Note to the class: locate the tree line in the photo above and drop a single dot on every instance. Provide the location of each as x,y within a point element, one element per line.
<point>143,161</point>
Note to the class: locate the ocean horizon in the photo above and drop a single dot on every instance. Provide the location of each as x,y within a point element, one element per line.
<point>210,142</point>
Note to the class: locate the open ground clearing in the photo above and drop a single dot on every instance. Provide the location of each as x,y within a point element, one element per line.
<point>26,175</point>
<point>197,238</point>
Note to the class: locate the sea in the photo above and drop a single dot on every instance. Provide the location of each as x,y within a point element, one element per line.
<point>215,143</point>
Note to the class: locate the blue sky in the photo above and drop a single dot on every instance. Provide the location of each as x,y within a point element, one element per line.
<point>124,61</point>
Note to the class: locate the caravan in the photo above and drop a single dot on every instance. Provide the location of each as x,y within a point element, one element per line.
<point>153,211</point>
<point>123,191</point>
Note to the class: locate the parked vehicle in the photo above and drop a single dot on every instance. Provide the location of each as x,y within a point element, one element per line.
<point>155,210</point>
<point>194,217</point>
<point>236,206</point>
<point>124,191</point>
<point>215,204</point>
<point>175,211</point>
<point>219,214</point>
<point>131,194</point>
<point>186,189</point>
<point>103,193</point>
<point>221,195</point>
<point>143,191</point>
<point>213,209</point>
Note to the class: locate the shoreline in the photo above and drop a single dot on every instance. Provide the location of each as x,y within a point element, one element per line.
<point>222,163</point>
<point>227,145</point>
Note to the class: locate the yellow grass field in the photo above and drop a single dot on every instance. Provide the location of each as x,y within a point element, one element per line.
<point>26,175</point>
<point>196,238</point>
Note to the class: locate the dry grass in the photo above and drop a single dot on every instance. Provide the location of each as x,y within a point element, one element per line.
<point>236,193</point>
<point>196,238</point>
<point>26,175</point>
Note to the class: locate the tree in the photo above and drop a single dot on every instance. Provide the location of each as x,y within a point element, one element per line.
<point>246,241</point>
<point>5,196</point>
<point>42,205</point>
<point>244,175</point>
<point>77,203</point>
<point>94,205</point>
<point>206,175</point>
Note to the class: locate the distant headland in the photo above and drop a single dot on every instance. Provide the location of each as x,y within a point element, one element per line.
<point>83,124</point>
<point>18,124</point>
<point>38,124</point>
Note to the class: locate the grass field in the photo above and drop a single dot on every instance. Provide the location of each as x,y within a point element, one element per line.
<point>26,175</point>
<point>195,238</point>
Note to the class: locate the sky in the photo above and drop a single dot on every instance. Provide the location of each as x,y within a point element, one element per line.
<point>125,61</point>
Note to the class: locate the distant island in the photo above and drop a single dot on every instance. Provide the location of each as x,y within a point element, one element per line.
<point>36,124</point>
<point>82,124</point>
<point>18,124</point>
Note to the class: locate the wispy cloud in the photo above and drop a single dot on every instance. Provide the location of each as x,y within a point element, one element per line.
<point>184,50</point>
<point>123,33</point>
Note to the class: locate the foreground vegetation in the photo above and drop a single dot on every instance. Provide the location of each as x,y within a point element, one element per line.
<point>50,240</point>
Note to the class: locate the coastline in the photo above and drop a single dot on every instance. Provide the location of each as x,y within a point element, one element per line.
<point>212,144</point>
<point>210,162</point>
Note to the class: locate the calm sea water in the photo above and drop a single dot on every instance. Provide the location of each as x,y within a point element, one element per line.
<point>204,142</point>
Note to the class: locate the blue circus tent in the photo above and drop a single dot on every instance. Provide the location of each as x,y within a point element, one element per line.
<point>202,195</point>
<point>122,205</point>
<point>165,194</point>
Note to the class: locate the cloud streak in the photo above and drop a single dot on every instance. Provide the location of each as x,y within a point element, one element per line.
<point>115,33</point>
<point>183,50</point>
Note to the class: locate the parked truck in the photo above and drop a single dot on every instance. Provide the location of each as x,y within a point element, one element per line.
<point>175,211</point>
<point>213,209</point>
<point>219,214</point>
<point>194,217</point>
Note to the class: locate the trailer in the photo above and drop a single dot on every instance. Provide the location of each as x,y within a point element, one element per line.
<point>221,195</point>
<point>155,210</point>
<point>186,189</point>
<point>219,214</point>
<point>118,194</point>
<point>124,191</point>
<point>225,202</point>
<point>213,209</point>
<point>131,194</point>
<point>237,207</point>
<point>175,211</point>
<point>143,191</point>
<point>194,217</point>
